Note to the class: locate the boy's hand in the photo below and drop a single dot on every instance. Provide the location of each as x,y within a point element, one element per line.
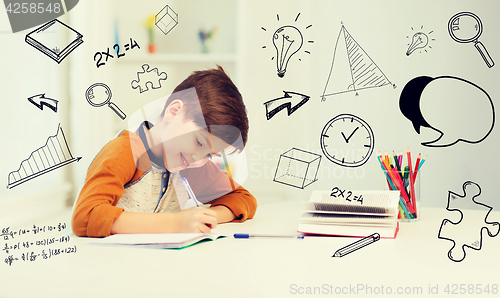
<point>196,220</point>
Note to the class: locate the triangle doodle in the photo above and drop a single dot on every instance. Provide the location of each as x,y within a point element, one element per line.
<point>352,68</point>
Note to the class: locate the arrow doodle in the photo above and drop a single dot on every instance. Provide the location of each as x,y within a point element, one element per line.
<point>40,100</point>
<point>291,101</point>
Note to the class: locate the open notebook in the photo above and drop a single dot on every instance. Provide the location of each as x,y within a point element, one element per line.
<point>167,240</point>
<point>328,215</point>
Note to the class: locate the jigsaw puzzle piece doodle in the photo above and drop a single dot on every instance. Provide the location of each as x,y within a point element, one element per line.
<point>148,78</point>
<point>467,232</point>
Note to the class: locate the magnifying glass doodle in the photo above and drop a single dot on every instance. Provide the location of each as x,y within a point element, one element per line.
<point>92,93</point>
<point>466,27</point>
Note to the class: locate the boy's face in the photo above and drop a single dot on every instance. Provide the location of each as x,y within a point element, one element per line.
<point>186,145</point>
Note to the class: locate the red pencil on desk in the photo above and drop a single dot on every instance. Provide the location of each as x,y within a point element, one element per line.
<point>412,182</point>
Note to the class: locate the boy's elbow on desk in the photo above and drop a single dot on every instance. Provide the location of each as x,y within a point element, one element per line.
<point>241,202</point>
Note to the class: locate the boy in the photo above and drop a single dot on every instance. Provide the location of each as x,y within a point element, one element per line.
<point>131,184</point>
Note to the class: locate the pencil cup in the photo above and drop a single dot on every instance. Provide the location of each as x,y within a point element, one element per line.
<point>409,198</point>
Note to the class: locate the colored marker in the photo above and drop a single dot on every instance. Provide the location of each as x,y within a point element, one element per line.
<point>246,236</point>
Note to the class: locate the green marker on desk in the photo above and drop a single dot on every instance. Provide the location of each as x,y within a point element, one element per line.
<point>246,236</point>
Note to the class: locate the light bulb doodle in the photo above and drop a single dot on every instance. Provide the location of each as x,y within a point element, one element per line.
<point>419,41</point>
<point>287,41</point>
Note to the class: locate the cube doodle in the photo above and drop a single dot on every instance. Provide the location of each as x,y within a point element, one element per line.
<point>297,168</point>
<point>166,20</point>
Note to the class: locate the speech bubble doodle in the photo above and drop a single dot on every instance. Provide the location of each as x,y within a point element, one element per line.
<point>457,109</point>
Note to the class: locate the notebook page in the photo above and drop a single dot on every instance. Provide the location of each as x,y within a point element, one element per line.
<point>149,239</point>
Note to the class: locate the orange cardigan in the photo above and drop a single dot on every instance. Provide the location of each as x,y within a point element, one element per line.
<point>124,160</point>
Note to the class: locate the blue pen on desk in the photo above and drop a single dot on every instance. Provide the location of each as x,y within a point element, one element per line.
<point>190,191</point>
<point>246,236</point>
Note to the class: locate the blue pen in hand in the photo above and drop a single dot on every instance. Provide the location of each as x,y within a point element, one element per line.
<point>190,191</point>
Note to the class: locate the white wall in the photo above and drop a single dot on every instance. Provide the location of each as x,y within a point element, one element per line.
<point>380,27</point>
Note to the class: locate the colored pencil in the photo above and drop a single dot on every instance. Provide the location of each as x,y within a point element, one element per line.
<point>412,182</point>
<point>399,183</point>
<point>417,165</point>
<point>396,161</point>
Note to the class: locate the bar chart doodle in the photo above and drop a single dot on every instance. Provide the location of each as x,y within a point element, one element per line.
<point>54,154</point>
<point>352,69</point>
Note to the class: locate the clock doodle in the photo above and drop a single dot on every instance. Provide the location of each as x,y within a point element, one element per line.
<point>347,140</point>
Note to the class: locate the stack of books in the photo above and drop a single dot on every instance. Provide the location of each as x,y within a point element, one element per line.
<point>357,214</point>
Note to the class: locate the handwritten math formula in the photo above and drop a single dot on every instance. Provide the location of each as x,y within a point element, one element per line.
<point>27,250</point>
<point>100,58</point>
<point>346,194</point>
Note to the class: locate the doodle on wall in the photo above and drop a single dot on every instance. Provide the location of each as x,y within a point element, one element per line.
<point>166,19</point>
<point>40,100</point>
<point>419,41</point>
<point>47,40</point>
<point>297,168</point>
<point>94,97</point>
<point>287,41</point>
<point>100,58</point>
<point>473,115</point>
<point>54,154</point>
<point>352,69</point>
<point>467,232</point>
<point>291,101</point>
<point>347,140</point>
<point>148,78</point>
<point>466,27</point>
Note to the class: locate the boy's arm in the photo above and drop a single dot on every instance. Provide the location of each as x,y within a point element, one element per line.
<point>192,220</point>
<point>213,186</point>
<point>240,202</point>
<point>95,209</point>
<point>223,213</point>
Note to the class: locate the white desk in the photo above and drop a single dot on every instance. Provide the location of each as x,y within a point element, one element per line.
<point>260,267</point>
